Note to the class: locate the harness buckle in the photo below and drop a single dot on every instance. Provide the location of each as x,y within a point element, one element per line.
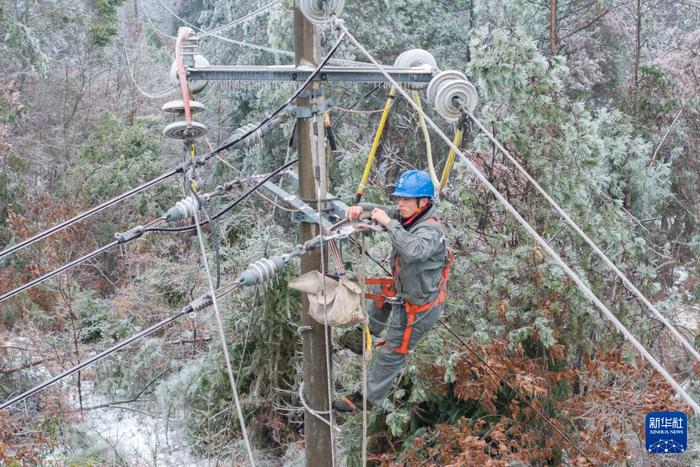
<point>395,300</point>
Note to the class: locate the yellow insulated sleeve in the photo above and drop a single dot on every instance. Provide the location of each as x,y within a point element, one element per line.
<point>428,148</point>
<point>368,341</point>
<point>450,160</point>
<point>375,144</point>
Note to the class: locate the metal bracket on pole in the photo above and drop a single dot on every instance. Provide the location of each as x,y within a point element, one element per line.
<point>317,106</point>
<point>300,73</point>
<point>304,212</point>
<point>335,207</point>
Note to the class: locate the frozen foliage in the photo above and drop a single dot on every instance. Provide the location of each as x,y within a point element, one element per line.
<point>604,114</point>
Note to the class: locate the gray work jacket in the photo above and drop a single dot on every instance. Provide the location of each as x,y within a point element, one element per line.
<point>421,252</point>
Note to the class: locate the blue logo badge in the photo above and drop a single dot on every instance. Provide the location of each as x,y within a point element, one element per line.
<point>666,432</point>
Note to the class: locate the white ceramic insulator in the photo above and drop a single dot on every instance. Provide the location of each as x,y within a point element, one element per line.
<point>320,12</point>
<point>443,76</point>
<point>177,107</point>
<point>195,86</point>
<point>181,130</point>
<point>251,140</point>
<point>449,91</point>
<point>183,209</point>
<point>415,58</point>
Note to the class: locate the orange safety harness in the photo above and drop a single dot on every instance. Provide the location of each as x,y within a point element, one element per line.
<point>388,291</point>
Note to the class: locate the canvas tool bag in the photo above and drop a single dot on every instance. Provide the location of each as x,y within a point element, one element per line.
<point>342,306</point>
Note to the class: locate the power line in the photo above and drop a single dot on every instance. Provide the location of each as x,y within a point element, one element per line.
<point>200,303</point>
<point>257,273</point>
<point>90,212</point>
<point>178,169</point>
<point>250,15</point>
<point>147,95</point>
<point>63,268</point>
<point>148,17</point>
<point>230,206</point>
<point>135,233</point>
<point>531,231</point>
<point>122,239</point>
<point>279,109</point>
<point>241,43</point>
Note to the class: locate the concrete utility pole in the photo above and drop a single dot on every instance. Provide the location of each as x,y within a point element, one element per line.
<point>310,132</point>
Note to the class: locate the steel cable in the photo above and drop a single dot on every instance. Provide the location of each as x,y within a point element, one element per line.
<point>222,336</point>
<point>90,212</point>
<point>532,232</point>
<point>97,357</point>
<point>178,169</point>
<point>230,206</point>
<point>628,284</point>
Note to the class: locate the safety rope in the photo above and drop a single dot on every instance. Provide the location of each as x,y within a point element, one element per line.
<point>222,336</point>
<point>214,232</point>
<point>250,314</point>
<point>319,176</point>
<point>428,148</point>
<point>422,316</point>
<point>518,393</point>
<point>532,232</point>
<point>366,348</point>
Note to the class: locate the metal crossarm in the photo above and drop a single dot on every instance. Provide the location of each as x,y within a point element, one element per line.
<point>334,205</point>
<point>300,73</point>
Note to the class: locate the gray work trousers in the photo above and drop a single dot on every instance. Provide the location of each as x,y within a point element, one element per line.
<point>387,364</point>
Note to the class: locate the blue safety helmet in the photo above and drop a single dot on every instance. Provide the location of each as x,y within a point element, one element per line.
<point>414,184</point>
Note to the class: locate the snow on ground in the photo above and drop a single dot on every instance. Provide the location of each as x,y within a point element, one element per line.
<point>137,438</point>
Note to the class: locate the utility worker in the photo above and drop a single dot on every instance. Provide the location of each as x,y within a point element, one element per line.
<point>415,294</point>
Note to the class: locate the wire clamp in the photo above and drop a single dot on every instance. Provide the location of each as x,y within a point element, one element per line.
<point>199,303</point>
<point>316,107</point>
<point>301,330</point>
<point>129,235</point>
